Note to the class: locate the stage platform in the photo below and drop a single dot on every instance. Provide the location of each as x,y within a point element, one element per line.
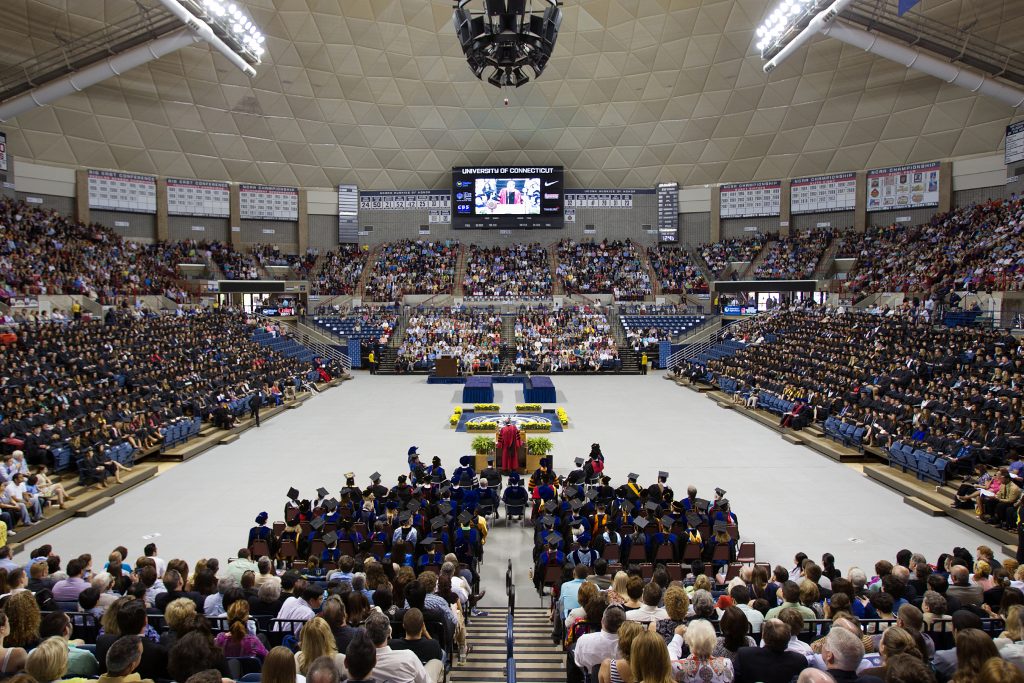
<point>496,379</point>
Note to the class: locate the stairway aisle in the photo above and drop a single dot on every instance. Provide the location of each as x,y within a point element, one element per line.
<point>537,659</point>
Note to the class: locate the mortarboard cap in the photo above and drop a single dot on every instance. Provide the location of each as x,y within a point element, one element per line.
<point>663,476</point>
<point>350,475</point>
<point>547,520</point>
<point>723,503</point>
<point>592,494</point>
<point>720,527</point>
<point>465,518</point>
<point>632,476</point>
<point>554,538</point>
<point>414,505</point>
<point>550,505</point>
<point>322,492</point>
<point>667,522</point>
<point>404,517</point>
<point>293,493</point>
<point>438,522</point>
<point>429,541</point>
<point>652,505</point>
<point>576,504</point>
<point>719,492</point>
<point>331,504</point>
<point>572,492</point>
<point>330,538</point>
<point>490,459</point>
<point>317,523</point>
<point>446,488</point>
<point>693,519</point>
<point>640,523</point>
<point>375,476</point>
<point>579,462</point>
<point>700,504</point>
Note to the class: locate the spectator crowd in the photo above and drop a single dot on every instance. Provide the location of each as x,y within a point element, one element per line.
<point>952,392</point>
<point>90,386</point>
<point>675,271</point>
<point>340,270</point>
<point>718,255</point>
<point>565,340</point>
<point>609,267</point>
<point>472,337</point>
<point>518,271</point>
<point>793,257</point>
<point>975,248</point>
<point>413,267</point>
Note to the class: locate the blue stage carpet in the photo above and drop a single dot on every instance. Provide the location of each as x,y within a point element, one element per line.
<point>548,416</point>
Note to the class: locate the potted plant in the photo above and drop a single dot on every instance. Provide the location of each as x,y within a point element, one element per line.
<point>537,447</point>
<point>483,445</point>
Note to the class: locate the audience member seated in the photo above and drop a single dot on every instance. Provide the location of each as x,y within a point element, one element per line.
<point>166,370</point>
<point>340,270</point>
<point>951,393</point>
<point>235,264</point>
<point>975,248</point>
<point>471,336</point>
<point>42,252</point>
<point>675,272</point>
<point>793,257</point>
<point>719,255</point>
<point>519,271</point>
<point>603,268</point>
<point>412,267</point>
<point>565,340</point>
<point>299,266</point>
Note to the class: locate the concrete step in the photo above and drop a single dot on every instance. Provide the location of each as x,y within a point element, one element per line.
<point>94,507</point>
<point>793,438</point>
<point>924,506</point>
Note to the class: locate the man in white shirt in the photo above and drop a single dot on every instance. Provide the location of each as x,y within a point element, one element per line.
<point>741,596</point>
<point>649,610</point>
<point>593,648</point>
<point>299,609</point>
<point>240,566</point>
<point>151,552</point>
<point>16,493</point>
<point>395,666</point>
<point>795,621</point>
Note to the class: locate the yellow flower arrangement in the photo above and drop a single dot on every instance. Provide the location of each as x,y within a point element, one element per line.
<point>562,416</point>
<point>528,408</point>
<point>486,407</point>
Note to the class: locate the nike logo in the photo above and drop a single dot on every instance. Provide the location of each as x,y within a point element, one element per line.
<point>550,183</point>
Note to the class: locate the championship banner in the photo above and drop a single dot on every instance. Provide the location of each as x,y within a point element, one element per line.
<point>268,202</point>
<point>914,186</point>
<point>404,200</point>
<point>750,200</point>
<point>114,191</point>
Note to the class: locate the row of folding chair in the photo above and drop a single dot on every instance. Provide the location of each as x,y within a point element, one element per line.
<point>922,464</point>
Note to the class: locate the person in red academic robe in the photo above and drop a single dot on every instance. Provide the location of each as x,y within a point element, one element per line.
<point>509,441</point>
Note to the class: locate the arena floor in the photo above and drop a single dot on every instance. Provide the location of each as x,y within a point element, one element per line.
<point>787,497</point>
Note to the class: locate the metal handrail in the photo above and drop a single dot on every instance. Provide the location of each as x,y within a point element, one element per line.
<point>319,348</point>
<point>698,347</point>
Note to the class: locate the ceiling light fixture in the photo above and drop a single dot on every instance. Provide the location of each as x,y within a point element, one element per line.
<point>503,37</point>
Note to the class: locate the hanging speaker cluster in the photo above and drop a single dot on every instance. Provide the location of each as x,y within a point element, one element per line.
<point>505,39</point>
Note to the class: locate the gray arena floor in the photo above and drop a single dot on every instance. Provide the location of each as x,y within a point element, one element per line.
<point>787,497</point>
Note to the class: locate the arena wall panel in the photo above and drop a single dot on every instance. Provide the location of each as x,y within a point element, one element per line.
<point>838,220</point>
<point>695,228</point>
<point>214,229</point>
<point>136,226</point>
<point>736,228</point>
<point>323,231</point>
<point>285,234</point>
<point>63,205</point>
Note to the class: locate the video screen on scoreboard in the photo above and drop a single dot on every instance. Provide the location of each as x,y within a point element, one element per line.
<point>508,197</point>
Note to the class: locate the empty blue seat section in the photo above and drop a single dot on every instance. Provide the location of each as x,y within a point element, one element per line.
<point>670,325</point>
<point>349,327</point>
